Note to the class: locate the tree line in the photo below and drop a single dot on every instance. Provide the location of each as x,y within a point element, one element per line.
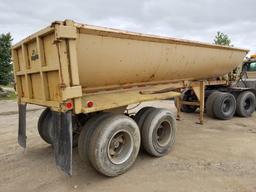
<point>6,76</point>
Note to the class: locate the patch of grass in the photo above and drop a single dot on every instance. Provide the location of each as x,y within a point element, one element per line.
<point>7,92</point>
<point>7,86</point>
<point>11,96</point>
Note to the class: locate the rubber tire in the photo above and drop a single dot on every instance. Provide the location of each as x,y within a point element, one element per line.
<point>210,103</point>
<point>185,108</point>
<point>151,123</point>
<point>240,110</point>
<point>217,107</point>
<point>76,126</point>
<point>141,115</point>
<point>86,134</point>
<point>44,131</point>
<point>75,139</point>
<point>99,145</point>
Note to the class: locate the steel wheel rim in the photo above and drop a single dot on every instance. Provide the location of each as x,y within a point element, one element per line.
<point>120,147</point>
<point>163,133</point>
<point>226,106</point>
<point>247,103</point>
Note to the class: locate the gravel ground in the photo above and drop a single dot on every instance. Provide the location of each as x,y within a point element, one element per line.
<point>217,156</point>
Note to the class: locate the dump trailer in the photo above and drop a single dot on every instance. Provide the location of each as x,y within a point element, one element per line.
<point>86,76</point>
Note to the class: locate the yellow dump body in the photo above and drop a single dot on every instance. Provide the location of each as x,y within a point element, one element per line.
<point>68,61</point>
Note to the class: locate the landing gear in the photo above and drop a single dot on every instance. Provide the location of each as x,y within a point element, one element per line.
<point>188,95</point>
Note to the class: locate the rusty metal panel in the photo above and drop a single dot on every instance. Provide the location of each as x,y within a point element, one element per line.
<point>58,62</point>
<point>54,82</point>
<point>65,32</point>
<point>51,52</point>
<point>129,61</point>
<point>20,62</point>
<point>36,86</point>
<point>34,79</point>
<point>23,85</point>
<point>104,101</point>
<point>33,57</point>
<point>251,74</point>
<point>72,92</point>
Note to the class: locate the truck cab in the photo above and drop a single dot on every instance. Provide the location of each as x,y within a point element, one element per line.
<point>250,67</point>
<point>249,70</point>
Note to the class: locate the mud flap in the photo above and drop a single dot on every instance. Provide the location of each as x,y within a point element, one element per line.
<point>63,140</point>
<point>22,125</point>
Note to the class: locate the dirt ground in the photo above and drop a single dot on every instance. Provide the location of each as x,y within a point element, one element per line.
<point>218,156</point>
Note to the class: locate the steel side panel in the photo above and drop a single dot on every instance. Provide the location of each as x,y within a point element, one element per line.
<point>32,64</point>
<point>251,74</point>
<point>93,57</point>
<point>117,99</point>
<point>105,61</point>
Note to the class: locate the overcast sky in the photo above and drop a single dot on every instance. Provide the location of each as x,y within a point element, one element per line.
<point>191,19</point>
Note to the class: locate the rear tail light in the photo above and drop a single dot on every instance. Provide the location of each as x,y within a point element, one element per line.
<point>89,104</point>
<point>69,105</point>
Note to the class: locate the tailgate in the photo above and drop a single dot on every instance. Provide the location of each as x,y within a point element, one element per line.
<point>45,67</point>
